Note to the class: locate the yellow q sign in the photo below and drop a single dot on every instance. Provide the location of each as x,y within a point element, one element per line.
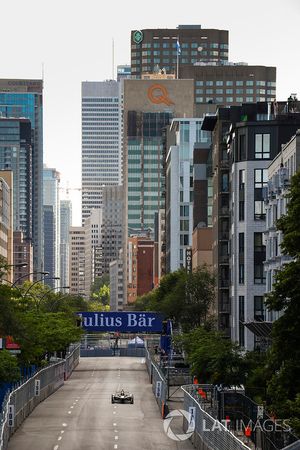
<point>157,93</point>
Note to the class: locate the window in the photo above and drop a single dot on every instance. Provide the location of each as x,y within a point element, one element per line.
<point>219,83</point>
<point>209,83</point>
<point>194,45</point>
<point>262,146</point>
<point>259,258</point>
<point>209,91</point>
<point>239,91</point>
<point>249,91</point>
<point>241,320</point>
<point>229,100</point>
<point>166,45</point>
<point>242,195</point>
<point>184,211</point>
<point>199,83</point>
<point>229,83</point>
<point>249,83</point>
<point>241,273</point>
<point>199,91</point>
<point>259,313</point>
<point>260,181</point>
<point>229,91</point>
<point>242,147</point>
<point>239,83</point>
<point>239,99</point>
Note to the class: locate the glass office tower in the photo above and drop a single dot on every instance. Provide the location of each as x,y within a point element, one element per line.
<point>24,99</point>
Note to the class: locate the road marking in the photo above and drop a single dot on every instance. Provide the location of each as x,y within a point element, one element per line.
<point>62,431</point>
<point>115,407</point>
<point>69,412</point>
<point>114,412</point>
<point>114,424</point>
<point>116,438</point>
<point>59,438</point>
<point>56,447</point>
<point>143,361</point>
<point>71,407</point>
<point>116,446</point>
<point>116,431</point>
<point>64,425</point>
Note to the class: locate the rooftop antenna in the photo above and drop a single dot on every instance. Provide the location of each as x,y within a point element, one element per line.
<point>113,59</point>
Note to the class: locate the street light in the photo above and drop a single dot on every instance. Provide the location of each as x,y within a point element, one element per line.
<point>50,290</point>
<point>38,281</point>
<point>27,275</point>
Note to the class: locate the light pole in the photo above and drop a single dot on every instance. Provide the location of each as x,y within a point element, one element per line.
<point>27,275</point>
<point>38,281</point>
<point>50,290</point>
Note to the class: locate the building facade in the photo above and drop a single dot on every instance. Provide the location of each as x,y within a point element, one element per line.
<point>245,140</point>
<point>185,133</point>
<point>77,261</point>
<point>6,219</point>
<point>140,267</point>
<point>23,253</point>
<point>101,141</point>
<point>93,250</point>
<point>51,179</point>
<point>116,283</point>
<point>280,171</point>
<point>24,99</point>
<point>65,224</point>
<point>152,47</point>
<point>112,228</point>
<point>16,155</point>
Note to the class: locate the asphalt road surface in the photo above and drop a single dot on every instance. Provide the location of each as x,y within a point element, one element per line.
<point>80,415</point>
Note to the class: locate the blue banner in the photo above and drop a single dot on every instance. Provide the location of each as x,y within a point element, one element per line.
<point>123,321</point>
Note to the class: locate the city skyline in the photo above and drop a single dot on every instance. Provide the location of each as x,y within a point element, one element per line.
<point>70,57</point>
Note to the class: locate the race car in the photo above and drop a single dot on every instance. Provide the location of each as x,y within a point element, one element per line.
<point>122,397</point>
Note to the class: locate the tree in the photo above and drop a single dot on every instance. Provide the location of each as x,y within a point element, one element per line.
<point>284,359</point>
<point>213,358</point>
<point>9,369</point>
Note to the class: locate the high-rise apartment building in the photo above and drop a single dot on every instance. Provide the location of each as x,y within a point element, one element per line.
<point>24,99</point>
<point>101,141</point>
<point>182,136</point>
<point>152,47</point>
<point>77,261</point>
<point>51,179</point>
<point>65,224</point>
<point>245,140</point>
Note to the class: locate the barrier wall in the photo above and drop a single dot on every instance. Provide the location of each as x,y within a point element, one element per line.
<point>20,402</point>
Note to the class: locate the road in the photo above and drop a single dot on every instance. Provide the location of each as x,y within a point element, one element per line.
<point>80,416</point>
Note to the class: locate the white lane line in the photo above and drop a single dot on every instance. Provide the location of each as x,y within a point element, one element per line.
<point>69,412</point>
<point>59,438</point>
<point>64,425</point>
<point>116,431</point>
<point>116,446</point>
<point>71,407</point>
<point>62,432</point>
<point>56,447</point>
<point>114,412</point>
<point>114,424</point>
<point>116,438</point>
<point>115,407</point>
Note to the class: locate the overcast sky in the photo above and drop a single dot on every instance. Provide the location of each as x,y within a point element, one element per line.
<point>74,41</point>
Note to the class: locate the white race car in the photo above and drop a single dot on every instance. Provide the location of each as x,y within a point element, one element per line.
<point>122,397</point>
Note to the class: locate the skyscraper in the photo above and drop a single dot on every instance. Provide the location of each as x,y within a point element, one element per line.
<point>101,141</point>
<point>169,48</point>
<point>16,155</point>
<point>24,99</point>
<point>51,225</point>
<point>65,223</point>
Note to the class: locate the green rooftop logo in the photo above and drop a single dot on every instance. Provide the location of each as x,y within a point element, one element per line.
<point>138,36</point>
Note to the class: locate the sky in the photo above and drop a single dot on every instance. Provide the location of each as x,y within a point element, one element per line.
<point>73,41</point>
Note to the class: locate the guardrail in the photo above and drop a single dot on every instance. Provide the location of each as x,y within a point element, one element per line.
<point>159,383</point>
<point>20,402</point>
<point>209,434</point>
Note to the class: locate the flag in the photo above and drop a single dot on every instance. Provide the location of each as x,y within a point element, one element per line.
<point>178,48</point>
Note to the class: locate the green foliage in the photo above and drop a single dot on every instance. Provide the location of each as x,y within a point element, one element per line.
<point>99,282</point>
<point>185,298</point>
<point>213,358</point>
<point>9,369</point>
<point>102,296</point>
